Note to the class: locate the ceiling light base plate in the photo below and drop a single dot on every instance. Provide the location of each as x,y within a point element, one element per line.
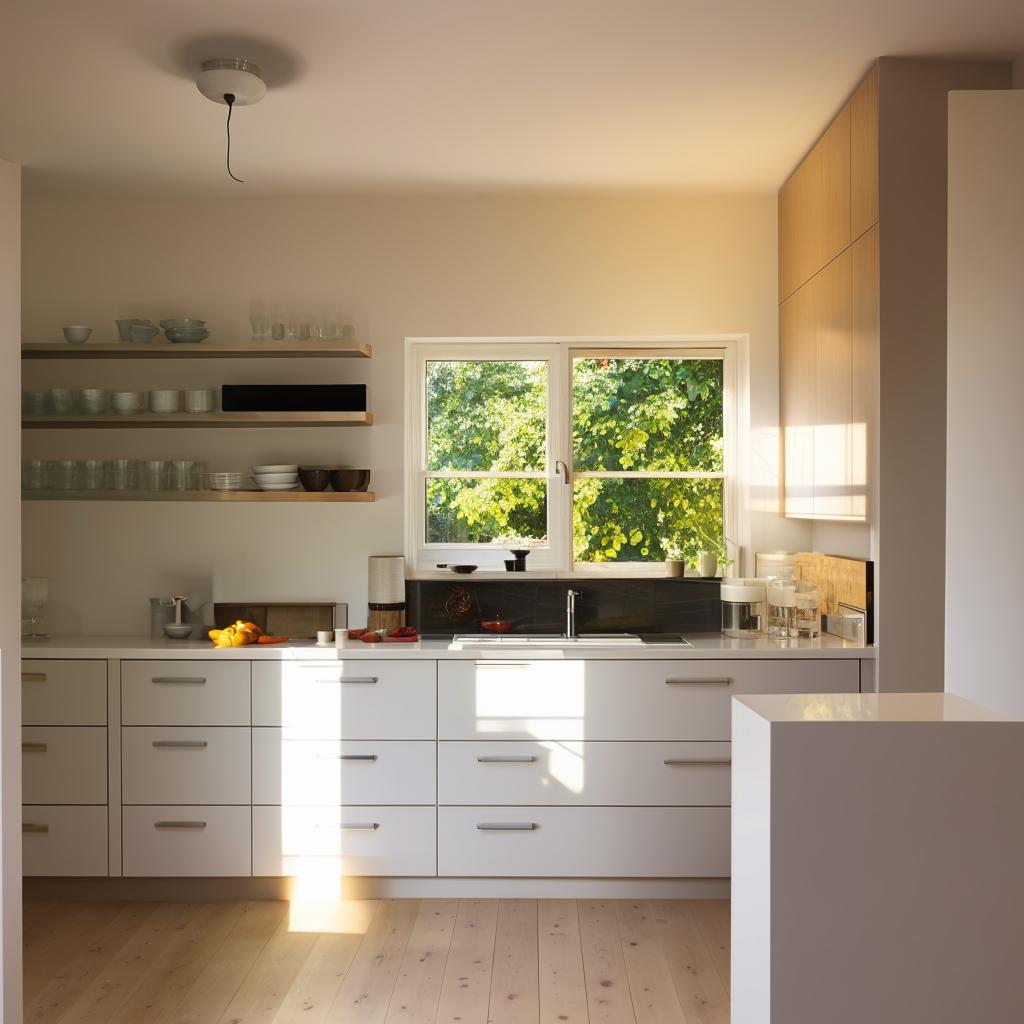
<point>231,77</point>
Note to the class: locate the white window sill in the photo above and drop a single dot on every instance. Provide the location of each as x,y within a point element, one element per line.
<point>654,573</point>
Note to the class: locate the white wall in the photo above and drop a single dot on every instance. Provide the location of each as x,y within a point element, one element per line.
<point>398,267</point>
<point>985,494</point>
<point>10,592</point>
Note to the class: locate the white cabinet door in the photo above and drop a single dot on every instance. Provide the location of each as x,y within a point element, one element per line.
<point>616,700</point>
<point>63,692</point>
<point>566,772</point>
<point>332,842</point>
<point>583,842</point>
<point>64,841</point>
<point>346,772</point>
<point>176,841</point>
<point>356,700</point>
<point>185,693</point>
<point>64,764</point>
<point>185,765</point>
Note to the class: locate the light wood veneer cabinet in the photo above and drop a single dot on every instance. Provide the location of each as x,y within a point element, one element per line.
<point>827,335</point>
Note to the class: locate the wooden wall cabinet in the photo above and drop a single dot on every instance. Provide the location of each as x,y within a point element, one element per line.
<point>814,208</point>
<point>828,316</point>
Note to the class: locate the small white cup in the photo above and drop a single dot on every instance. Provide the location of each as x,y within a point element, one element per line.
<point>199,401</point>
<point>76,334</point>
<point>164,401</point>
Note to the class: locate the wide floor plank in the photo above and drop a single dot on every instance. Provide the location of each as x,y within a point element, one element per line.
<point>418,989</point>
<point>365,993</point>
<point>471,961</point>
<point>514,996</point>
<point>563,995</point>
<point>604,968</point>
<point>466,988</point>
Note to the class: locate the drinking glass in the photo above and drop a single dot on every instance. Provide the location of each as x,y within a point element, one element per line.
<point>93,478</point>
<point>61,401</point>
<point>199,400</point>
<point>260,326</point>
<point>152,475</point>
<point>278,330</point>
<point>33,403</point>
<point>198,476</point>
<point>298,329</point>
<point>33,474</point>
<point>182,473</point>
<point>120,474</point>
<point>94,401</point>
<point>64,475</point>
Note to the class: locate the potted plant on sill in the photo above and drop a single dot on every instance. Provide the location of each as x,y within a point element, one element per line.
<point>675,559</point>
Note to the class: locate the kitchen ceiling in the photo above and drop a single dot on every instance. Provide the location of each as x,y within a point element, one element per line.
<point>98,97</point>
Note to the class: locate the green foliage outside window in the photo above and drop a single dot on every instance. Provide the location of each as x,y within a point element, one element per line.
<point>634,414</point>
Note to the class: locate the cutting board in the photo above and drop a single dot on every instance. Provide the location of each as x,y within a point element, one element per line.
<point>849,581</point>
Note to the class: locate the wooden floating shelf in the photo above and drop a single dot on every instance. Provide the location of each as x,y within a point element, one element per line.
<point>191,419</point>
<point>198,350</point>
<point>264,496</point>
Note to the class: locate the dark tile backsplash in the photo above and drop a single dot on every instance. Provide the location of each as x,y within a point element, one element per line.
<point>538,606</point>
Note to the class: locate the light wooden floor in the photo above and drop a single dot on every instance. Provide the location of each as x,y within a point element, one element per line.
<point>466,961</point>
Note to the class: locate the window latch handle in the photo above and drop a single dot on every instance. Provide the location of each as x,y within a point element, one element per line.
<point>562,470</point>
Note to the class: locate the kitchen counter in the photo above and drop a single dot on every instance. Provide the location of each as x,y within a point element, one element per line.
<point>704,646</point>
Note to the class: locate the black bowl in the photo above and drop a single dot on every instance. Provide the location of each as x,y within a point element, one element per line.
<point>314,478</point>
<point>350,479</point>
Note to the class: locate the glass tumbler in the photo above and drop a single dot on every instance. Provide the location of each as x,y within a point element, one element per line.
<point>182,472</point>
<point>33,474</point>
<point>120,474</point>
<point>93,475</point>
<point>64,475</point>
<point>152,475</point>
<point>808,611</point>
<point>61,401</point>
<point>33,403</point>
<point>260,326</point>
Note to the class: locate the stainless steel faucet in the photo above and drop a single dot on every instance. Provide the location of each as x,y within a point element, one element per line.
<point>570,613</point>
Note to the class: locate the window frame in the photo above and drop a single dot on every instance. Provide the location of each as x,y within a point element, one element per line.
<point>555,560</point>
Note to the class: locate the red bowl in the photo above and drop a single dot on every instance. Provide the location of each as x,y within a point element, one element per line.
<point>497,626</point>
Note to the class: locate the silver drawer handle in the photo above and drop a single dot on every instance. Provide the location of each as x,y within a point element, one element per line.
<point>689,761</point>
<point>502,664</point>
<point>351,679</point>
<point>506,758</point>
<point>506,826</point>
<point>180,680</point>
<point>169,826</point>
<point>33,748</point>
<point>699,682</point>
<point>33,677</point>
<point>355,826</point>
<point>182,744</point>
<point>37,830</point>
<point>347,757</point>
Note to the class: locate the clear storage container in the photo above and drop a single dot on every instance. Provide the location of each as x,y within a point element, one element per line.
<point>743,608</point>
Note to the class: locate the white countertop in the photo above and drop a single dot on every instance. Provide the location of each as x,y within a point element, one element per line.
<point>868,707</point>
<point>705,646</point>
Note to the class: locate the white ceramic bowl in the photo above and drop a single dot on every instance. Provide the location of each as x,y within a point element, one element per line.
<point>276,478</point>
<point>76,333</point>
<point>260,470</point>
<point>277,487</point>
<point>126,402</point>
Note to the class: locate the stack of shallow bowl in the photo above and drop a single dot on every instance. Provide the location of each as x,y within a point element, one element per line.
<point>225,481</point>
<point>185,328</point>
<point>127,402</point>
<point>276,478</point>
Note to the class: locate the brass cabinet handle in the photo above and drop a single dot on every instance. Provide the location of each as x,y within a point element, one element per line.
<point>181,744</point>
<point>34,829</point>
<point>351,679</point>
<point>33,677</point>
<point>33,748</point>
<point>699,682</point>
<point>172,826</point>
<point>180,680</point>
<point>690,761</point>
<point>506,826</point>
<point>506,758</point>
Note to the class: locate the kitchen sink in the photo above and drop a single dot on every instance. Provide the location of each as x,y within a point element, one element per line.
<point>554,640</point>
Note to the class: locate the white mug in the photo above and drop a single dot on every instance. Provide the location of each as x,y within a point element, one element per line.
<point>198,401</point>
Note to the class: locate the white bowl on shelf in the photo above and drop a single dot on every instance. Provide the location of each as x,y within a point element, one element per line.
<point>294,486</point>
<point>260,470</point>
<point>127,402</point>
<point>276,478</point>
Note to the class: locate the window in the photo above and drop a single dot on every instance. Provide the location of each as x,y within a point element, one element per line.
<point>604,455</point>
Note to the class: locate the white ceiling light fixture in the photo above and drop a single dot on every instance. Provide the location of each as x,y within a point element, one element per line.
<point>235,82</point>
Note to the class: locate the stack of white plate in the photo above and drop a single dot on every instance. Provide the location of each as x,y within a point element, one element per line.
<point>276,478</point>
<point>225,481</point>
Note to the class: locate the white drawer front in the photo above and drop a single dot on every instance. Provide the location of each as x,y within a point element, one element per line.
<point>565,772</point>
<point>583,842</point>
<point>63,692</point>
<point>616,700</point>
<point>294,772</point>
<point>64,764</point>
<point>64,841</point>
<point>185,693</point>
<point>349,841</point>
<point>357,700</point>
<point>185,765</point>
<point>176,841</point>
